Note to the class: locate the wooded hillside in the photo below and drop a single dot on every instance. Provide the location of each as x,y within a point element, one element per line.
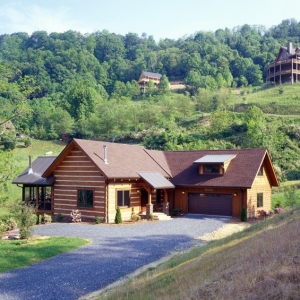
<point>86,86</point>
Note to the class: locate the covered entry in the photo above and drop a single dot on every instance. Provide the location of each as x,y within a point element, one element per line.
<point>210,204</point>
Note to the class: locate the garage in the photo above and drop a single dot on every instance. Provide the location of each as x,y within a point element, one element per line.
<point>210,204</point>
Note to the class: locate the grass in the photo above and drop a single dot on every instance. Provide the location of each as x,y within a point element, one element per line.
<point>261,262</point>
<point>270,100</point>
<point>18,253</point>
<point>21,154</point>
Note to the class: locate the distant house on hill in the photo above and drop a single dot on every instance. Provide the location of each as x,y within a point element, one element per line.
<point>145,77</point>
<point>286,68</point>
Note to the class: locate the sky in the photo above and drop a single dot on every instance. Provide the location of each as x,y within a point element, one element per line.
<point>160,18</point>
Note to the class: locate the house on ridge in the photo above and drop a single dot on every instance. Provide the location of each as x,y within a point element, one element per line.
<point>145,77</point>
<point>96,177</point>
<point>286,67</point>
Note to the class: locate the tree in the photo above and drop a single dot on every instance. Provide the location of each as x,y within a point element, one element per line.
<point>164,85</point>
<point>118,217</point>
<point>255,123</point>
<point>8,169</point>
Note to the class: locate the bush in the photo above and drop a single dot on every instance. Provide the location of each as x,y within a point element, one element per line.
<point>47,219</point>
<point>25,216</point>
<point>76,215</point>
<point>175,212</point>
<point>135,217</point>
<point>290,196</point>
<point>244,214</point>
<point>27,142</point>
<point>118,217</point>
<point>59,217</point>
<point>98,220</point>
<point>151,217</point>
<point>3,227</point>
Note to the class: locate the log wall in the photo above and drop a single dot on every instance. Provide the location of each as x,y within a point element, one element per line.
<point>78,172</point>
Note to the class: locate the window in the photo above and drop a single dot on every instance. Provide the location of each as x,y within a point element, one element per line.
<point>29,194</point>
<point>260,200</point>
<point>85,198</point>
<point>44,198</point>
<point>211,169</point>
<point>261,171</point>
<point>122,198</point>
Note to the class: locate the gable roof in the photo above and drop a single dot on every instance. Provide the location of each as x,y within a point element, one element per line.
<point>240,173</point>
<point>39,166</point>
<point>124,161</point>
<point>131,161</point>
<point>150,74</point>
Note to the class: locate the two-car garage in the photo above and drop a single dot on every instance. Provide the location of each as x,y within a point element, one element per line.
<point>210,204</point>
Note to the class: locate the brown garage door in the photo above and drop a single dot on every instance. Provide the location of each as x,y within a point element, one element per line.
<point>210,204</point>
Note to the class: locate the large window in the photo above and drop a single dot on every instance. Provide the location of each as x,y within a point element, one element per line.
<point>260,200</point>
<point>211,169</point>
<point>44,198</point>
<point>122,198</point>
<point>29,194</point>
<point>85,198</point>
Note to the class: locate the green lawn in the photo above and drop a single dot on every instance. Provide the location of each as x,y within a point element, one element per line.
<point>21,154</point>
<point>19,253</point>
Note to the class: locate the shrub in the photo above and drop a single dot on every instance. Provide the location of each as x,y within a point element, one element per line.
<point>98,220</point>
<point>118,217</point>
<point>290,196</point>
<point>75,215</point>
<point>244,214</point>
<point>27,142</point>
<point>59,217</point>
<point>47,218</point>
<point>175,212</point>
<point>135,217</point>
<point>11,224</point>
<point>3,227</point>
<point>25,216</point>
<point>151,217</point>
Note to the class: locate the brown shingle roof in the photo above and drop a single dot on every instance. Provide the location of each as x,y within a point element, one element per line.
<point>240,173</point>
<point>124,161</point>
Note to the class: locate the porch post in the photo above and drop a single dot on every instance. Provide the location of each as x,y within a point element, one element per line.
<point>166,203</point>
<point>149,206</point>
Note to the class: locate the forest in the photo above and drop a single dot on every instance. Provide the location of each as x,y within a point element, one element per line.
<point>86,86</point>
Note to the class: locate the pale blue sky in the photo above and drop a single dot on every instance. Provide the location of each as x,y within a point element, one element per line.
<point>160,18</point>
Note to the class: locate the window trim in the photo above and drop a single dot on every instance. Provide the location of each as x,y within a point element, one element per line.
<point>117,199</point>
<point>259,200</point>
<point>85,189</point>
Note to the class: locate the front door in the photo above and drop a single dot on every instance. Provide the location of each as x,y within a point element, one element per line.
<point>144,200</point>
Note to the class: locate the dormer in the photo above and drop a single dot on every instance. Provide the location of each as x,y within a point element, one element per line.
<point>214,164</point>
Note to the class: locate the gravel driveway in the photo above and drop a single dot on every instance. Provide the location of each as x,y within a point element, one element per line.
<point>115,252</point>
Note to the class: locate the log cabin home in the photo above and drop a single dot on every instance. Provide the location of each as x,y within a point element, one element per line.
<point>286,67</point>
<point>96,177</point>
<point>145,77</point>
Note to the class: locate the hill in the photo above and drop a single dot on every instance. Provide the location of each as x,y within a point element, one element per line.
<point>262,262</point>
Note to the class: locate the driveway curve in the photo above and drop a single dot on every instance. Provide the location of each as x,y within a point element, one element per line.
<point>115,251</point>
